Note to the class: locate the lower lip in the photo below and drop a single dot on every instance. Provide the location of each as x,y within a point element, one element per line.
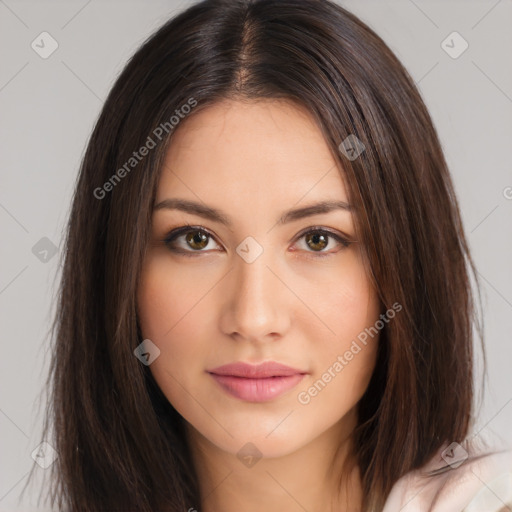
<point>257,390</point>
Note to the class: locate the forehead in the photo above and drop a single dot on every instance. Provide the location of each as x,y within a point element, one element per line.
<point>265,148</point>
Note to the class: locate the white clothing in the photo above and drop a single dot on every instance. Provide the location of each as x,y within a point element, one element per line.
<point>481,483</point>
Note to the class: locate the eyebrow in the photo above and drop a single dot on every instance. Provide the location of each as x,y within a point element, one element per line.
<point>215,215</point>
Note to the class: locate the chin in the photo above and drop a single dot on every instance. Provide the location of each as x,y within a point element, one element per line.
<point>257,438</point>
<point>260,446</point>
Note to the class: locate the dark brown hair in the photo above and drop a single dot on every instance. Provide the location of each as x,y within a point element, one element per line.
<point>120,443</point>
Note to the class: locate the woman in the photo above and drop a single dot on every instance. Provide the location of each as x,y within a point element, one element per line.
<point>266,299</point>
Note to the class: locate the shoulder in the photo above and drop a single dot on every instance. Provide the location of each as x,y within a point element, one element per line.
<point>460,478</point>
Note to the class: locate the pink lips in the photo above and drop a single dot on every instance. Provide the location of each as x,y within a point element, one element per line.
<point>256,383</point>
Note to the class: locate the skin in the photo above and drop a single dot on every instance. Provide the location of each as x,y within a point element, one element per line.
<point>255,160</point>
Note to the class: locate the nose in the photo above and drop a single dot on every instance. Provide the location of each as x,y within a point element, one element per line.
<point>257,305</point>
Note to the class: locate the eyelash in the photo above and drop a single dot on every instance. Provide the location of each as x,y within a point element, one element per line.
<point>176,233</point>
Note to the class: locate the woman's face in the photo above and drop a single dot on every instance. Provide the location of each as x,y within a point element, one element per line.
<point>258,284</point>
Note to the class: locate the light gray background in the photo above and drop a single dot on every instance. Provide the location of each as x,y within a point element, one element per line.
<point>48,107</point>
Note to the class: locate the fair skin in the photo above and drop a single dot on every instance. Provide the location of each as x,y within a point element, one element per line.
<point>254,161</point>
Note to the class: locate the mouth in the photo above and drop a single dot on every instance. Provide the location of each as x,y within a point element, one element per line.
<point>257,383</point>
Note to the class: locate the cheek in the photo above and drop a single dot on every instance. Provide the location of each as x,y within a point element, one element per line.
<point>174,313</point>
<point>168,298</point>
<point>344,360</point>
<point>342,372</point>
<point>341,296</point>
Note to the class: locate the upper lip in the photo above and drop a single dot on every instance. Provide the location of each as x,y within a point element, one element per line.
<point>258,371</point>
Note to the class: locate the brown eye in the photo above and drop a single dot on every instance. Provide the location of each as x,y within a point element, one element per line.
<point>197,239</point>
<point>320,242</point>
<point>190,241</point>
<point>316,241</point>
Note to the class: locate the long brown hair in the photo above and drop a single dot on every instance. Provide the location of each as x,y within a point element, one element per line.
<point>120,443</point>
